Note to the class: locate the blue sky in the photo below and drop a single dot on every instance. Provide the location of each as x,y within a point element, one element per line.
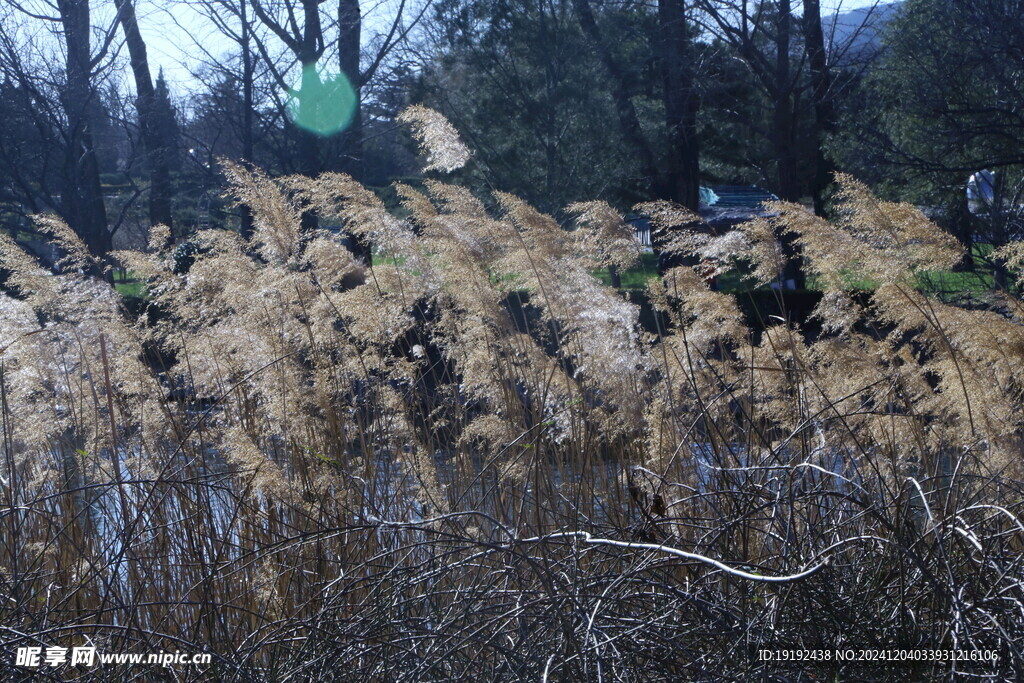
<point>179,39</point>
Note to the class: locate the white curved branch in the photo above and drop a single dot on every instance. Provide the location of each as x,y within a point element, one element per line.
<point>589,539</point>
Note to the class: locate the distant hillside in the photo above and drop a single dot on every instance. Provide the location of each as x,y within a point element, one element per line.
<point>856,34</point>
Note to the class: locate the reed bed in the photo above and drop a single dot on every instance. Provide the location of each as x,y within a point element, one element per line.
<point>471,460</point>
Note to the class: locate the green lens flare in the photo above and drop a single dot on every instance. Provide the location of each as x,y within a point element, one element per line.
<point>322,104</point>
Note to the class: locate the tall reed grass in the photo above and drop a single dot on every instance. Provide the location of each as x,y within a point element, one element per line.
<point>472,460</point>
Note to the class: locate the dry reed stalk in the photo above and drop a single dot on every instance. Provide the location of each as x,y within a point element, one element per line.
<point>472,460</point>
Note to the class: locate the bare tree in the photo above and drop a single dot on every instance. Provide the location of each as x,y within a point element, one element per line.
<point>821,96</point>
<point>157,148</point>
<point>680,179</point>
<point>68,95</point>
<point>761,35</point>
<point>277,38</point>
<point>682,103</point>
<point>83,196</point>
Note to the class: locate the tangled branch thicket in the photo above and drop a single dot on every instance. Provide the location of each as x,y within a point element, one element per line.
<point>472,460</point>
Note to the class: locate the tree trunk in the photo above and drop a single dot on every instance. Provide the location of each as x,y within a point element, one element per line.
<point>152,135</point>
<point>784,142</point>
<point>963,227</point>
<point>681,104</point>
<point>821,92</point>
<point>310,50</point>
<point>82,195</point>
<point>615,276</point>
<point>246,227</point>
<point>629,122</point>
<point>350,28</point>
<point>350,143</point>
<point>783,124</point>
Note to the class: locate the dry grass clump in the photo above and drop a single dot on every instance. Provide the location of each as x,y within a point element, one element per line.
<point>438,138</point>
<point>470,459</point>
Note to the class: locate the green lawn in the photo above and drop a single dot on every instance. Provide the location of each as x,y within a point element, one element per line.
<point>127,285</point>
<point>943,282</point>
<point>634,278</point>
<point>939,283</point>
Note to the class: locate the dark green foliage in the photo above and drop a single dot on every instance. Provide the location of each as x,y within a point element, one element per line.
<point>944,102</point>
<point>522,84</point>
